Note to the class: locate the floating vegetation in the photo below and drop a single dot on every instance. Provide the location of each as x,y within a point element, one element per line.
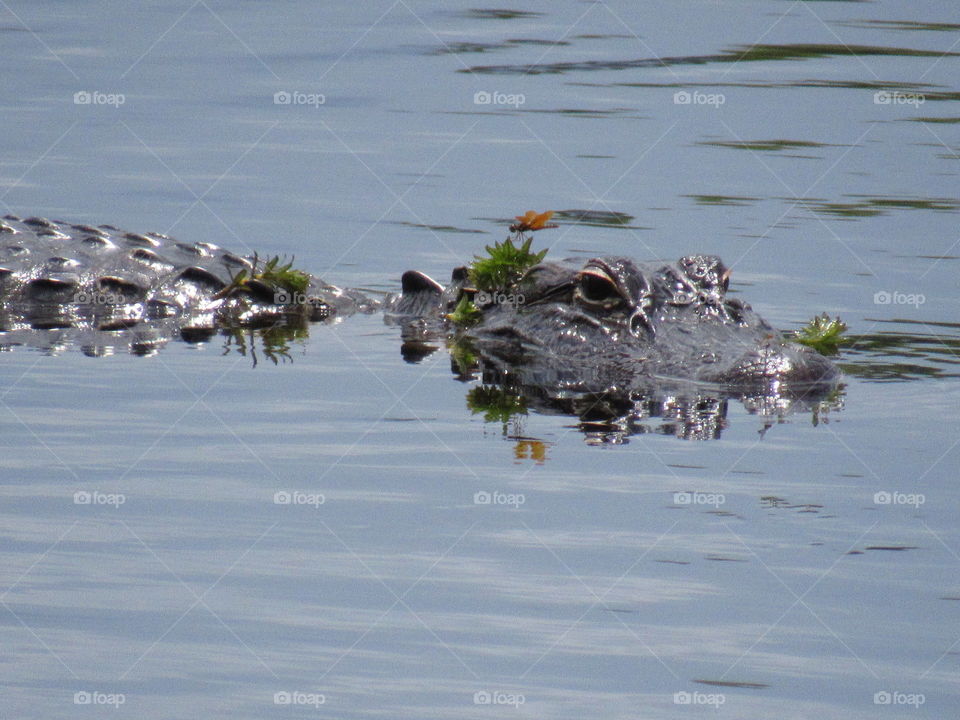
<point>730,200</point>
<point>465,314</point>
<point>892,548</point>
<point>275,276</point>
<point>460,48</point>
<point>731,684</point>
<point>827,84</point>
<point>901,25</point>
<point>897,356</point>
<point>437,228</point>
<point>872,206</point>
<point>611,36</point>
<point>802,51</point>
<point>589,113</point>
<point>500,14</point>
<point>939,120</point>
<point>823,334</point>
<point>595,217</point>
<point>765,145</point>
<point>748,53</point>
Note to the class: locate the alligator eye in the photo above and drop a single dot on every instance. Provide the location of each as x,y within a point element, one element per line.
<point>597,288</point>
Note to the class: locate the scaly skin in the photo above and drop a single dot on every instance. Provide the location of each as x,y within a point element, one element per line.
<point>101,287</point>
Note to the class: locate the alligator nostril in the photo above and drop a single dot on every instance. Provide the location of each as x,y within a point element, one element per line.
<point>640,325</point>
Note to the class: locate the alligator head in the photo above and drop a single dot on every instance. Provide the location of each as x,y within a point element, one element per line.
<point>609,321</point>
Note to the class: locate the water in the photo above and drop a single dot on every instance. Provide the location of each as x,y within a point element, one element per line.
<point>596,582</point>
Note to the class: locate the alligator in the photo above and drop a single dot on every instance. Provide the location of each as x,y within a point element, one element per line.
<point>99,287</point>
<point>608,321</point>
<point>612,341</point>
<point>618,344</point>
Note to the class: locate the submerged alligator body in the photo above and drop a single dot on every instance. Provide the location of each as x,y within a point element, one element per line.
<point>99,286</point>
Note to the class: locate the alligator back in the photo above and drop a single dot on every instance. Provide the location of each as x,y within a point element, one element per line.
<point>100,287</point>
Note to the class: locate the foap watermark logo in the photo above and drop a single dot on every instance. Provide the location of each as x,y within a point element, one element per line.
<point>895,697</point>
<point>898,498</point>
<point>699,498</point>
<point>698,698</point>
<point>498,697</point>
<point>886,297</point>
<point>95,97</point>
<point>684,97</point>
<point>296,697</point>
<point>295,97</point>
<point>498,498</point>
<point>888,97</point>
<point>482,299</point>
<point>298,497</point>
<point>288,297</point>
<point>95,497</point>
<point>94,697</point>
<point>101,298</point>
<point>482,97</point>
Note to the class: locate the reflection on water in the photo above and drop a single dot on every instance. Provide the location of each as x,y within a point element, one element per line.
<point>612,417</point>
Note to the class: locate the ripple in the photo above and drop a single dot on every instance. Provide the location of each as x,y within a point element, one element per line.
<point>873,206</point>
<point>749,53</point>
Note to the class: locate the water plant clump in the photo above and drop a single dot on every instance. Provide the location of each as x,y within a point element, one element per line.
<point>465,314</point>
<point>277,276</point>
<point>823,334</point>
<point>503,266</point>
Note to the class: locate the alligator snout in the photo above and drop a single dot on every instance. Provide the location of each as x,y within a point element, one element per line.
<point>789,365</point>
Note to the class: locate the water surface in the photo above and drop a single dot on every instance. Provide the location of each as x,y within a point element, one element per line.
<point>786,568</point>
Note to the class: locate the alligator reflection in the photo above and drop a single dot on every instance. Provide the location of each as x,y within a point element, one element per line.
<point>273,340</point>
<point>612,408</point>
<point>56,330</point>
